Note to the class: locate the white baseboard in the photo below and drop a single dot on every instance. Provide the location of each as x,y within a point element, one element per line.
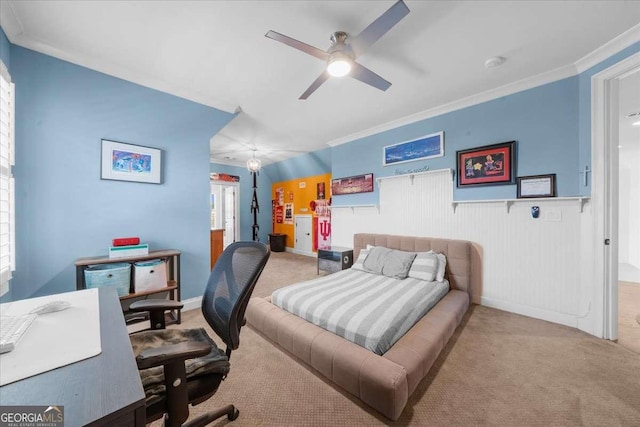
<point>192,303</point>
<point>537,313</point>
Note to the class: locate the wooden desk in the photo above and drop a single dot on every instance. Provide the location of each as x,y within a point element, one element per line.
<point>104,390</point>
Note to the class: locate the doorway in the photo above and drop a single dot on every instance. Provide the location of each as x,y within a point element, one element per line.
<point>628,208</point>
<point>224,209</point>
<point>303,239</point>
<point>607,124</point>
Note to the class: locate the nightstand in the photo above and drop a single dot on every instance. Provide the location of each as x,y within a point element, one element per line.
<point>334,258</point>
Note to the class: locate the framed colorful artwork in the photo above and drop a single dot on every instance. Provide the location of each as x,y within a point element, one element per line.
<point>425,147</point>
<point>127,162</point>
<point>488,165</point>
<point>352,184</point>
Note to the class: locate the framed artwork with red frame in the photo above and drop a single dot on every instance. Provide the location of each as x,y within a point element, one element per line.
<point>489,165</point>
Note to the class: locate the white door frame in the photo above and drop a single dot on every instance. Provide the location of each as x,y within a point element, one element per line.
<point>236,207</point>
<point>604,191</point>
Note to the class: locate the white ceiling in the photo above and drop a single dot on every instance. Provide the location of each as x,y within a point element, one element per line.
<point>215,53</point>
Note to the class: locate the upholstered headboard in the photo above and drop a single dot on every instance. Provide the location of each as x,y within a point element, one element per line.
<point>458,253</point>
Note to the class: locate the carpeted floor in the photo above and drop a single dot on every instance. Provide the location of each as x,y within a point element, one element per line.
<point>629,315</point>
<point>499,369</point>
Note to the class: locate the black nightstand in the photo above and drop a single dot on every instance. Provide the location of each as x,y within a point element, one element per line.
<point>334,259</point>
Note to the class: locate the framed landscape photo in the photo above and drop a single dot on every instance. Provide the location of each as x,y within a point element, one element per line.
<point>127,162</point>
<point>487,165</point>
<point>537,186</point>
<point>425,147</point>
<point>352,184</point>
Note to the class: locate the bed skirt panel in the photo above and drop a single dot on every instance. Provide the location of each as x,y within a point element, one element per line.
<point>379,382</point>
<point>383,382</point>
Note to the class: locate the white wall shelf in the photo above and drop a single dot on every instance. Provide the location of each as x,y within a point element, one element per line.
<point>353,207</point>
<point>508,202</point>
<point>411,176</point>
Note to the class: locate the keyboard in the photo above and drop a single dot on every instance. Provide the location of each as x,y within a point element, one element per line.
<point>12,328</point>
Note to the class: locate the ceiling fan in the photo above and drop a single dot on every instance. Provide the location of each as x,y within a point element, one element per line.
<point>344,49</point>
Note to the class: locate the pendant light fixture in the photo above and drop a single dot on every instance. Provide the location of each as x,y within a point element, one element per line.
<point>254,164</point>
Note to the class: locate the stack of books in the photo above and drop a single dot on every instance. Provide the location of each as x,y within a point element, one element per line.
<point>124,247</point>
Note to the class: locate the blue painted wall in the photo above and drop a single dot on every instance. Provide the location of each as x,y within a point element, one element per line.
<point>5,49</point>
<point>65,211</point>
<point>543,121</point>
<point>551,125</point>
<point>309,164</point>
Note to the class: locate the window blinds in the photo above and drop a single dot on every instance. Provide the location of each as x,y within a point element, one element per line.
<point>7,217</point>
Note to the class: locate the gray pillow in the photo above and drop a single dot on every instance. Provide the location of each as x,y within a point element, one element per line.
<point>375,260</point>
<point>425,266</point>
<point>398,263</point>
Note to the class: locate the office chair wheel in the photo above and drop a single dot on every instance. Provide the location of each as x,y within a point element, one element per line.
<point>233,414</point>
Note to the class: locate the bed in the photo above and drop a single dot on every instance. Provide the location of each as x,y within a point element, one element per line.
<point>384,381</point>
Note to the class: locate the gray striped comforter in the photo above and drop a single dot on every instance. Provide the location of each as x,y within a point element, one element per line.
<point>370,310</point>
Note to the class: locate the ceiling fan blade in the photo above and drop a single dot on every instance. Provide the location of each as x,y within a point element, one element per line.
<point>313,51</point>
<point>367,76</point>
<point>378,28</point>
<point>315,85</point>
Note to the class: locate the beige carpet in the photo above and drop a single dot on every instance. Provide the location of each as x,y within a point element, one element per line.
<point>499,369</point>
<point>629,315</point>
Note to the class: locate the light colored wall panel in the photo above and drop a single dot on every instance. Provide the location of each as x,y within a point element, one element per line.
<point>530,266</point>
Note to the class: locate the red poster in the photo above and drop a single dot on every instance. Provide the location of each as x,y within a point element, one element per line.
<point>279,214</point>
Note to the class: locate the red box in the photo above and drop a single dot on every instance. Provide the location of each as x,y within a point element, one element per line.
<point>126,241</point>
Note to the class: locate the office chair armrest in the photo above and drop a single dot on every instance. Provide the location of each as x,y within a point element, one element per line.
<point>172,353</point>
<point>155,304</point>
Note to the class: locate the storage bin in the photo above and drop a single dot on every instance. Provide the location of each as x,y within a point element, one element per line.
<point>149,275</point>
<point>117,275</point>
<point>277,242</point>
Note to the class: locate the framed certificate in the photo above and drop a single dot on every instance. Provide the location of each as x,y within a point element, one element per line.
<point>537,186</point>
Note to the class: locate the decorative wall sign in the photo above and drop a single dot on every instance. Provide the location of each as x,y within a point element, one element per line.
<point>215,176</point>
<point>488,165</point>
<point>537,186</point>
<point>127,162</point>
<point>320,193</point>
<point>288,213</point>
<point>352,184</point>
<point>425,147</point>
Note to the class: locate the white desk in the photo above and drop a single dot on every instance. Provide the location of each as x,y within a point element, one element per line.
<point>104,390</point>
<point>54,339</point>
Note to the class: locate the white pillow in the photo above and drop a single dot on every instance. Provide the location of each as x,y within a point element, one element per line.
<point>359,264</point>
<point>442,264</point>
<point>424,266</point>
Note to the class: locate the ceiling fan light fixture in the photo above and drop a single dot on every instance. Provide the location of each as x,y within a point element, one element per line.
<point>339,65</point>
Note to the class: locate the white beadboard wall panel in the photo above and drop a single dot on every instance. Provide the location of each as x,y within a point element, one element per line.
<point>530,266</point>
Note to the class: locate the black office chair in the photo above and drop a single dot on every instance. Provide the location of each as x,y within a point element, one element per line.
<point>179,367</point>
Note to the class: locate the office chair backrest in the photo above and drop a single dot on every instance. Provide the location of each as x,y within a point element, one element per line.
<point>229,288</point>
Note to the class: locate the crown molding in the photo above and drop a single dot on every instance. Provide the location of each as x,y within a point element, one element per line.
<point>605,51</point>
<point>122,73</point>
<point>10,23</point>
<point>609,49</point>
<point>509,89</point>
